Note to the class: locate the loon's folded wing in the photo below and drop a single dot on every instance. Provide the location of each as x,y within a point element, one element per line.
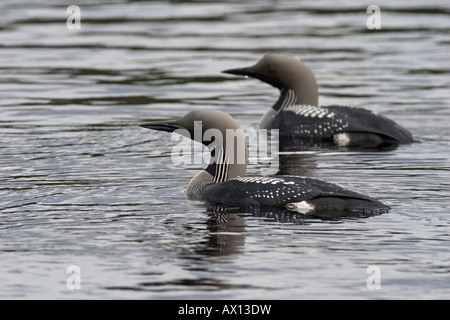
<point>365,121</point>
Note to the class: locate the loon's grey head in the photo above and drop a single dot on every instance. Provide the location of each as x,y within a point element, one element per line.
<point>220,133</point>
<point>283,72</point>
<point>195,125</point>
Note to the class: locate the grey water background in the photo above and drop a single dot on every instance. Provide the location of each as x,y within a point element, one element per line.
<point>82,184</point>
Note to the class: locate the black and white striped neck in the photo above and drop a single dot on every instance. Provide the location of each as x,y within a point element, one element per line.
<point>219,166</point>
<point>287,98</point>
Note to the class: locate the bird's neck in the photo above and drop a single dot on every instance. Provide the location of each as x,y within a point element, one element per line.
<point>288,97</point>
<point>219,165</point>
<point>303,94</point>
<point>225,163</point>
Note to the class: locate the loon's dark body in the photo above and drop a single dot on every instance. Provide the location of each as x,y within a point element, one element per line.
<point>323,123</point>
<point>287,191</point>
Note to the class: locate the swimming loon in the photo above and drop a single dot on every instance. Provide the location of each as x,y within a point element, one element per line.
<point>223,182</point>
<point>297,115</point>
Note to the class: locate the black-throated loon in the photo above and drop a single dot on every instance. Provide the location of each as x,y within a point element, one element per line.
<point>297,114</point>
<point>223,182</point>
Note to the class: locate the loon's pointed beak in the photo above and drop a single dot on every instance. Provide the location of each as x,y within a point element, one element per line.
<point>253,72</point>
<point>168,126</point>
<point>248,72</point>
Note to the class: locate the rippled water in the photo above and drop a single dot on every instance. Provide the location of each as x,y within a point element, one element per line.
<point>82,184</point>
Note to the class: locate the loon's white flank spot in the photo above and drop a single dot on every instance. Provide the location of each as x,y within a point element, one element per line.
<point>342,139</point>
<point>302,207</point>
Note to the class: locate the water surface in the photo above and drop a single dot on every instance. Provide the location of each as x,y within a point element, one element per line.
<point>82,184</point>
